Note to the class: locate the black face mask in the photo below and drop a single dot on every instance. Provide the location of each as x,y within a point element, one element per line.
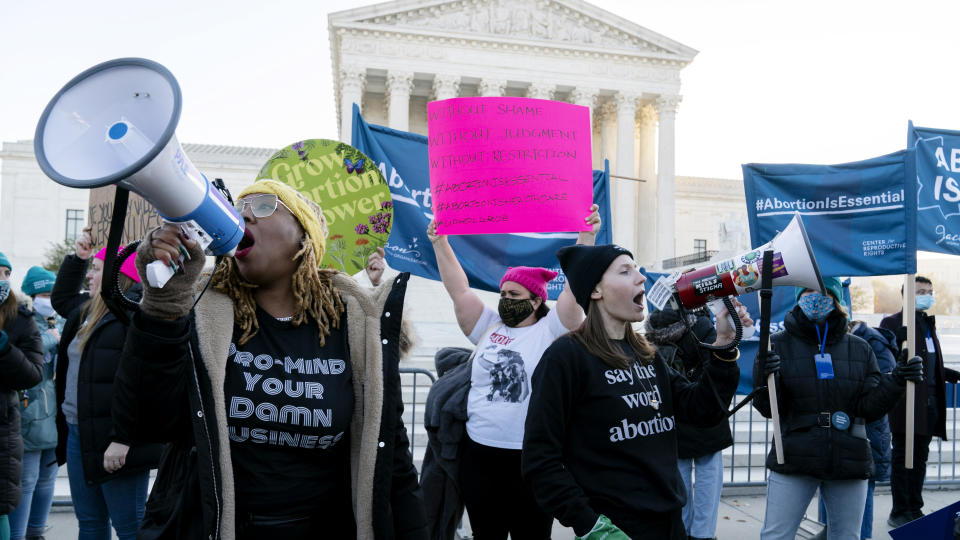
<point>513,311</point>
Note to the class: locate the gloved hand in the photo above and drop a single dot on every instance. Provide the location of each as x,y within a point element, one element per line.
<point>771,364</point>
<point>175,299</point>
<point>908,370</point>
<point>604,529</point>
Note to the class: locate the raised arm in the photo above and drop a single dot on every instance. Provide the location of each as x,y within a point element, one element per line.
<point>467,306</point>
<point>66,295</point>
<point>570,313</point>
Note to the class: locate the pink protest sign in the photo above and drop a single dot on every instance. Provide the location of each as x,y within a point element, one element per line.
<point>506,165</point>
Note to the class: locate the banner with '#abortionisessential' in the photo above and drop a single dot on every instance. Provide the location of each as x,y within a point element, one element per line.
<point>508,164</point>
<point>860,217</point>
<point>938,188</point>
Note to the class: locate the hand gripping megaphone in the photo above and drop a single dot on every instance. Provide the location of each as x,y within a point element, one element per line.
<point>794,264</point>
<point>114,124</point>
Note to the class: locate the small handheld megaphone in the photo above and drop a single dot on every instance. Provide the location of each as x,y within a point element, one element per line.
<point>793,265</point>
<point>114,124</point>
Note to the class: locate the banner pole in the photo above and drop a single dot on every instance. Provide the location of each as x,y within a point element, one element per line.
<point>910,320</point>
<point>766,295</point>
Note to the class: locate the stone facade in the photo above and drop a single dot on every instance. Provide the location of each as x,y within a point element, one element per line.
<point>391,58</point>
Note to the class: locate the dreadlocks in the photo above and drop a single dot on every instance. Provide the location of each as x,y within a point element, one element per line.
<point>313,291</point>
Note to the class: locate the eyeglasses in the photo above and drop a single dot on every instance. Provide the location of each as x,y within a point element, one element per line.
<point>926,291</point>
<point>261,204</point>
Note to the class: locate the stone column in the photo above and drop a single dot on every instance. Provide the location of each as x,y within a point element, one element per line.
<point>666,209</point>
<point>647,191</point>
<point>445,86</point>
<point>587,97</point>
<point>492,87</point>
<point>607,118</point>
<point>541,90</point>
<point>625,201</point>
<point>399,86</point>
<point>352,79</point>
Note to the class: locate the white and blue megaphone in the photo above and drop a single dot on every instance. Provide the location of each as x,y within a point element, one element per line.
<point>114,124</point>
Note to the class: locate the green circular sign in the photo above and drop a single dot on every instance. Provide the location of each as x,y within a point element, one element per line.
<point>348,187</point>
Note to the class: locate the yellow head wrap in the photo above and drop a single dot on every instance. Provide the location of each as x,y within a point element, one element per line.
<point>307,212</point>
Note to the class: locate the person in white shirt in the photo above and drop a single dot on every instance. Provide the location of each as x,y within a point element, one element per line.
<point>510,341</point>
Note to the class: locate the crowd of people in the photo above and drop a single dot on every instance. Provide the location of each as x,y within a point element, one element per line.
<point>266,391</point>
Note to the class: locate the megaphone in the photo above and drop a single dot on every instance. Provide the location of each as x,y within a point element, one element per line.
<point>114,124</point>
<point>794,265</point>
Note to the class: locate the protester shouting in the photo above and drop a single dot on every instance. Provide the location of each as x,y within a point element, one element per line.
<point>279,393</point>
<point>38,414</point>
<point>108,474</point>
<point>509,344</point>
<point>829,387</point>
<point>21,366</point>
<point>600,447</point>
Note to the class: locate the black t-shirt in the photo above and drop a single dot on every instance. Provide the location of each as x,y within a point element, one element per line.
<point>602,441</point>
<point>289,404</point>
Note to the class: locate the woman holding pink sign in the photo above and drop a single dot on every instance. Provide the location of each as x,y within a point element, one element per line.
<point>509,344</point>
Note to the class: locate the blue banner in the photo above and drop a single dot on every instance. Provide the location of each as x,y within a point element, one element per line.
<point>784,298</point>
<point>858,216</point>
<point>938,188</point>
<point>402,158</point>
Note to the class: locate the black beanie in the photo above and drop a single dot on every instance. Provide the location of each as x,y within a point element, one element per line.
<point>584,266</point>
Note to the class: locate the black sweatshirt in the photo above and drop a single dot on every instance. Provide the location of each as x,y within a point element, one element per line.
<point>594,444</point>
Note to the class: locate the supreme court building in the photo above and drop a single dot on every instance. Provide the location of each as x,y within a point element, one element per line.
<point>391,58</point>
<point>394,57</point>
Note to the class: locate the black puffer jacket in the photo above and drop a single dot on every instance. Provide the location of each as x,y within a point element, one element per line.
<point>858,389</point>
<point>21,367</point>
<point>679,349</point>
<point>98,367</point>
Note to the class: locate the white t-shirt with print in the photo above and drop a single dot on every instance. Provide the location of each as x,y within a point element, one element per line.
<point>500,380</point>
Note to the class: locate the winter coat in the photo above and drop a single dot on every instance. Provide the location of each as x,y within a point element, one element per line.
<point>884,345</point>
<point>38,407</point>
<point>171,389</point>
<point>898,415</point>
<point>810,445</point>
<point>678,347</point>
<point>99,362</point>
<point>21,366</point>
<point>445,419</point>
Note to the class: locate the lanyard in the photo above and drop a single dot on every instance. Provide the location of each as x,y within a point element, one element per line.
<point>822,340</point>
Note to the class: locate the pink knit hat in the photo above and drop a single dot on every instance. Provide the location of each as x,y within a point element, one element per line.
<point>129,268</point>
<point>535,279</point>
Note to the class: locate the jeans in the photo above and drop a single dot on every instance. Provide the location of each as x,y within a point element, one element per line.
<point>703,495</point>
<point>788,496</point>
<point>866,528</point>
<point>39,477</point>
<point>120,501</point>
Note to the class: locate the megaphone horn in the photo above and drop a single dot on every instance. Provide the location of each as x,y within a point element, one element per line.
<point>114,124</point>
<point>794,265</point>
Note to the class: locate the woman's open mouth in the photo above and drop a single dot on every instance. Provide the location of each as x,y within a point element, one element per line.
<point>639,300</point>
<point>245,245</point>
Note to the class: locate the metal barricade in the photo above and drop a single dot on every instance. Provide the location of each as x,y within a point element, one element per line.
<point>414,402</point>
<point>744,461</point>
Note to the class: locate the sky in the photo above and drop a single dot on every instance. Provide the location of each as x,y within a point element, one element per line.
<point>801,82</point>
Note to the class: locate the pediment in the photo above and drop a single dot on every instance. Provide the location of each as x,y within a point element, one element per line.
<point>570,23</point>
